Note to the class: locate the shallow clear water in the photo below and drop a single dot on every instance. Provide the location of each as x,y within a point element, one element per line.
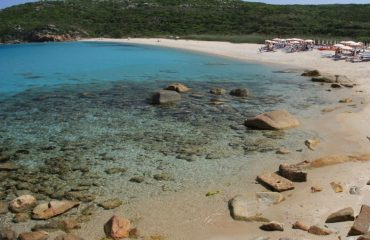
<point>79,113</point>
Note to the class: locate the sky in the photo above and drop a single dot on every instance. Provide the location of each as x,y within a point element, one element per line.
<point>8,3</point>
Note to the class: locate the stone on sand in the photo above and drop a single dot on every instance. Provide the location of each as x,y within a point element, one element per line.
<point>111,203</point>
<point>337,187</point>
<point>362,222</point>
<point>321,231</point>
<point>300,225</point>
<point>293,172</point>
<point>117,227</point>
<point>241,210</point>
<point>343,215</point>
<point>22,203</point>
<point>312,143</point>
<point>272,226</point>
<point>275,120</point>
<point>283,151</point>
<point>275,182</point>
<point>269,198</point>
<point>53,208</point>
<point>315,189</point>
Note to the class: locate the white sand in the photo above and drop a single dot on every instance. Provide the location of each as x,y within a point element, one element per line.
<point>190,215</point>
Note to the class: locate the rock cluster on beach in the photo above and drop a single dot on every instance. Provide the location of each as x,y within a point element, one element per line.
<point>336,81</point>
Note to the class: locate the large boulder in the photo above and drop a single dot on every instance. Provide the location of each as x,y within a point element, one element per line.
<point>240,92</point>
<point>164,97</point>
<point>338,79</point>
<point>178,87</point>
<point>346,214</point>
<point>275,120</point>
<point>117,227</point>
<point>22,203</point>
<point>53,208</point>
<point>362,222</point>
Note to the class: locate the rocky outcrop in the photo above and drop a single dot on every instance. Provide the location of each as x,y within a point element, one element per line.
<point>240,92</point>
<point>218,91</point>
<point>275,182</point>
<point>22,203</point>
<point>117,227</point>
<point>311,73</point>
<point>165,97</point>
<point>53,208</point>
<point>275,120</point>
<point>346,214</point>
<point>334,79</point>
<point>178,87</point>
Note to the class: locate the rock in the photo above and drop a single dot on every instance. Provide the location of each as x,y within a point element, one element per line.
<point>212,193</point>
<point>21,217</point>
<point>115,170</point>
<point>315,189</point>
<point>337,187</point>
<point>53,208</point>
<point>117,227</point>
<point>163,177</point>
<point>65,225</point>
<point>345,100</point>
<point>316,230</point>
<point>368,182</point>
<point>334,79</point>
<point>362,222</point>
<point>137,179</point>
<point>178,87</point>
<point>8,167</point>
<point>275,182</point>
<point>239,207</point>
<point>354,190</point>
<point>276,120</point>
<point>240,92</point>
<point>312,143</point>
<point>269,198</point>
<point>283,151</point>
<point>111,204</point>
<point>365,237</point>
<point>8,234</point>
<point>4,158</point>
<point>346,214</point>
<point>68,237</point>
<point>22,203</point>
<point>293,172</point>
<point>300,225</point>
<point>215,101</point>
<point>164,97</point>
<point>82,196</point>
<point>134,233</point>
<point>38,235</point>
<point>272,226</point>
<point>218,91</point>
<point>311,73</point>
<point>3,207</point>
<point>335,85</point>
<point>324,79</point>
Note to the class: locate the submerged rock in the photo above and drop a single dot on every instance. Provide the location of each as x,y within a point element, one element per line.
<point>37,235</point>
<point>3,207</point>
<point>178,87</point>
<point>164,97</point>
<point>21,217</point>
<point>275,120</point>
<point>4,157</point>
<point>111,203</point>
<point>53,208</point>
<point>65,225</point>
<point>218,91</point>
<point>117,227</point>
<point>240,92</point>
<point>311,73</point>
<point>22,203</point>
<point>8,234</point>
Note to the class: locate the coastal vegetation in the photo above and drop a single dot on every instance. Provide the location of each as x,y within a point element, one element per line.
<point>232,20</point>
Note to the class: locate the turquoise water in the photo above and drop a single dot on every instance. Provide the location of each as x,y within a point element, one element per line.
<point>72,112</point>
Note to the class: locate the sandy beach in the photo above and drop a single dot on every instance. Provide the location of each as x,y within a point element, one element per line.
<point>189,215</point>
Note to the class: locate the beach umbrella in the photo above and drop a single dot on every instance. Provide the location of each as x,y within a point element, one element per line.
<point>276,39</point>
<point>339,45</point>
<point>308,41</point>
<point>347,48</point>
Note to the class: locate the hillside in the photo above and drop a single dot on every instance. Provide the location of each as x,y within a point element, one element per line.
<point>149,18</point>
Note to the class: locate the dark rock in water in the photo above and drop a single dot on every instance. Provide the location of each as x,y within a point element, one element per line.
<point>82,196</point>
<point>21,217</point>
<point>335,85</point>
<point>22,151</point>
<point>311,73</point>
<point>346,214</point>
<point>8,167</point>
<point>218,91</point>
<point>3,207</point>
<point>164,97</point>
<point>8,234</point>
<point>65,225</point>
<point>275,120</point>
<point>4,157</point>
<point>178,87</point>
<point>111,204</point>
<point>116,170</point>
<point>362,222</point>
<point>137,179</point>
<point>240,92</point>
